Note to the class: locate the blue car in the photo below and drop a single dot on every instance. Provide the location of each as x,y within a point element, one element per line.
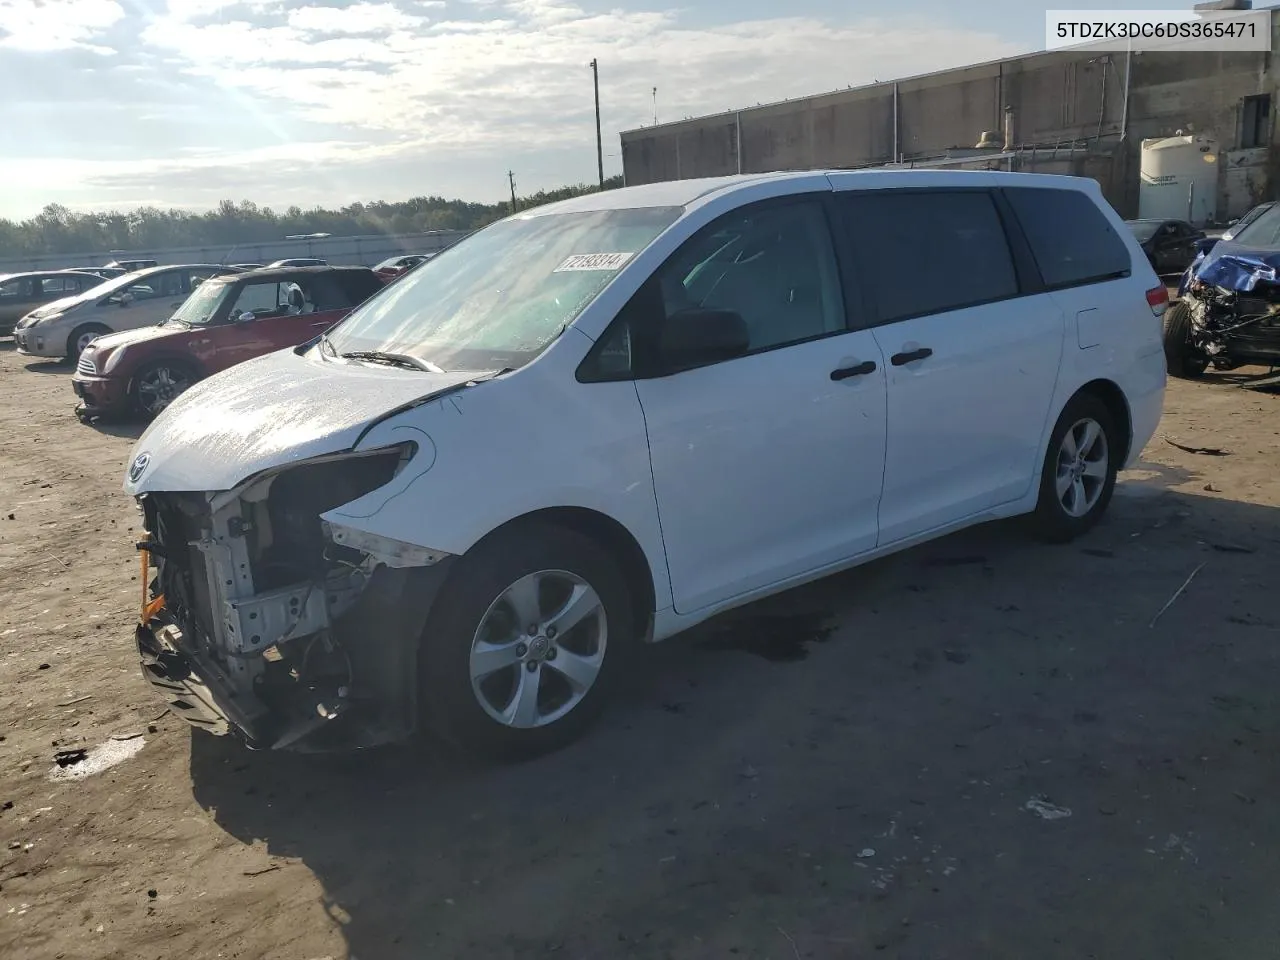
<point>1228,308</point>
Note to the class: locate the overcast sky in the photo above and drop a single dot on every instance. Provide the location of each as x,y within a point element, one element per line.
<point>119,103</point>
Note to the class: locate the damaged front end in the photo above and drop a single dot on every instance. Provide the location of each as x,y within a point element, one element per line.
<point>1233,302</point>
<point>264,620</point>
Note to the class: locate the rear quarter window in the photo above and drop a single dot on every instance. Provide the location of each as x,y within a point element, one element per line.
<point>1072,241</point>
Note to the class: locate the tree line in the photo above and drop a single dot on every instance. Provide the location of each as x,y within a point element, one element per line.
<point>57,229</point>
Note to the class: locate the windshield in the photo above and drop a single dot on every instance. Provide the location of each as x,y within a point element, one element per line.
<point>203,303</point>
<point>1143,229</point>
<point>1263,232</point>
<point>496,299</point>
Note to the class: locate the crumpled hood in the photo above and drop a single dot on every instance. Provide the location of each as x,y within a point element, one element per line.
<point>267,412</point>
<point>1234,266</point>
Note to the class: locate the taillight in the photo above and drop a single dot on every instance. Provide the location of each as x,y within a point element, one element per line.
<point>1158,299</point>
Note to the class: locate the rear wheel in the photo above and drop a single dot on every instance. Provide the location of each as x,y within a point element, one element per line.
<point>528,641</point>
<point>158,384</point>
<point>80,338</point>
<point>1079,472</point>
<point>1181,357</point>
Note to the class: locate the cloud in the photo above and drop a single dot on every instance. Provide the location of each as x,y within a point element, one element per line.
<point>47,25</point>
<point>365,98</point>
<point>360,18</point>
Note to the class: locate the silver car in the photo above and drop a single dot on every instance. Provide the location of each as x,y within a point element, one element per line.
<point>139,299</point>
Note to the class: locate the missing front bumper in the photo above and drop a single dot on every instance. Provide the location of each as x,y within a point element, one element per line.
<point>380,632</point>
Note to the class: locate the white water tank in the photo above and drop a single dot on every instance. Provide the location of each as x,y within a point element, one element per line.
<point>1179,179</point>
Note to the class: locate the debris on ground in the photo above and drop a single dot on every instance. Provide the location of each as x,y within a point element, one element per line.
<point>68,758</point>
<point>1202,451</point>
<point>1176,594</point>
<point>1045,810</point>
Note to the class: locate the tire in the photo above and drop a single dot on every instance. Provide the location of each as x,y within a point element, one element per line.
<point>158,384</point>
<point>80,337</point>
<point>474,614</point>
<point>1093,477</point>
<point>1181,358</point>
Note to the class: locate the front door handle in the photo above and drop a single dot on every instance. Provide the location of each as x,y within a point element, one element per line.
<point>857,370</point>
<point>898,359</point>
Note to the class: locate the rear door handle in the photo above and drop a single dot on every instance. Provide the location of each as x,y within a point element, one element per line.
<point>898,359</point>
<point>857,370</point>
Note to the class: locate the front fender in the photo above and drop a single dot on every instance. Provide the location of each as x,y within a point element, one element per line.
<point>531,440</point>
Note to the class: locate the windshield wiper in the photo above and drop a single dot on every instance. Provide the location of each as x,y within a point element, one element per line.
<point>393,359</point>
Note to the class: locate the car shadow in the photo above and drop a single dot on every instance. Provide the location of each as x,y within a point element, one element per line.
<point>117,427</point>
<point>1257,378</point>
<point>50,366</point>
<point>822,763</point>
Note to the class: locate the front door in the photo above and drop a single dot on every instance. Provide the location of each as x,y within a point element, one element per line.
<point>767,466</point>
<point>283,314</point>
<point>972,360</point>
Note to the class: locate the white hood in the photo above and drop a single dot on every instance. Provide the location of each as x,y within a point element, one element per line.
<point>267,412</point>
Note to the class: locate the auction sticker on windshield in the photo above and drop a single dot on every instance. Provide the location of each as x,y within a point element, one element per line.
<point>593,261</point>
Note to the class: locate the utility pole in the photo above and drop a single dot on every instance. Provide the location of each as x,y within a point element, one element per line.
<point>595,74</point>
<point>655,106</point>
<point>511,178</point>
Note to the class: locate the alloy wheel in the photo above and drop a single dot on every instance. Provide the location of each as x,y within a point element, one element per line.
<point>1083,461</point>
<point>158,387</point>
<point>538,649</point>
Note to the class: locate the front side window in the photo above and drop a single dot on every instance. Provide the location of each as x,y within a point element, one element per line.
<point>1071,240</point>
<point>57,286</point>
<point>158,285</point>
<point>272,299</point>
<point>926,252</point>
<point>773,266</point>
<point>498,298</point>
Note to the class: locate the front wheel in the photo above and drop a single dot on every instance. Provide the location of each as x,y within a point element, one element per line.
<point>530,637</point>
<point>1079,472</point>
<point>157,385</point>
<point>1182,359</point>
<point>81,337</point>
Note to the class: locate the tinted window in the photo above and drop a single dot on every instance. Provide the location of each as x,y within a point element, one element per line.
<point>1262,232</point>
<point>774,266</point>
<point>16,289</point>
<point>1071,240</point>
<point>929,252</point>
<point>1143,229</point>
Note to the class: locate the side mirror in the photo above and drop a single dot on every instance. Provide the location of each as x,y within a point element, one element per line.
<point>246,317</point>
<point>697,337</point>
<point>126,298</point>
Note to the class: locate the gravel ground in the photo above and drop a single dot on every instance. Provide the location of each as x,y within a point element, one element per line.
<point>978,748</point>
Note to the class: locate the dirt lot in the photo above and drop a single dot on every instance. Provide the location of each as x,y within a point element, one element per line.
<point>882,761</point>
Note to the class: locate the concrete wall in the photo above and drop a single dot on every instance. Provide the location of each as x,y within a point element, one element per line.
<point>365,251</point>
<point>1057,98</point>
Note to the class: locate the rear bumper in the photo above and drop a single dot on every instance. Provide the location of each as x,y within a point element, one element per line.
<point>1146,403</point>
<point>102,394</point>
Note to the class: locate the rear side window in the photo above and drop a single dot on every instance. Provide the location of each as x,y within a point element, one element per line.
<point>1072,241</point>
<point>923,252</point>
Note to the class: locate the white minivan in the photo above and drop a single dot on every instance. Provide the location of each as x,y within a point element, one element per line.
<point>596,423</point>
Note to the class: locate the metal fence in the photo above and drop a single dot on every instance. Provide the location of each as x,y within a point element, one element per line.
<point>366,251</point>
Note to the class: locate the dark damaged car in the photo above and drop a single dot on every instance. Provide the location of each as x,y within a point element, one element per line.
<point>1228,310</point>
